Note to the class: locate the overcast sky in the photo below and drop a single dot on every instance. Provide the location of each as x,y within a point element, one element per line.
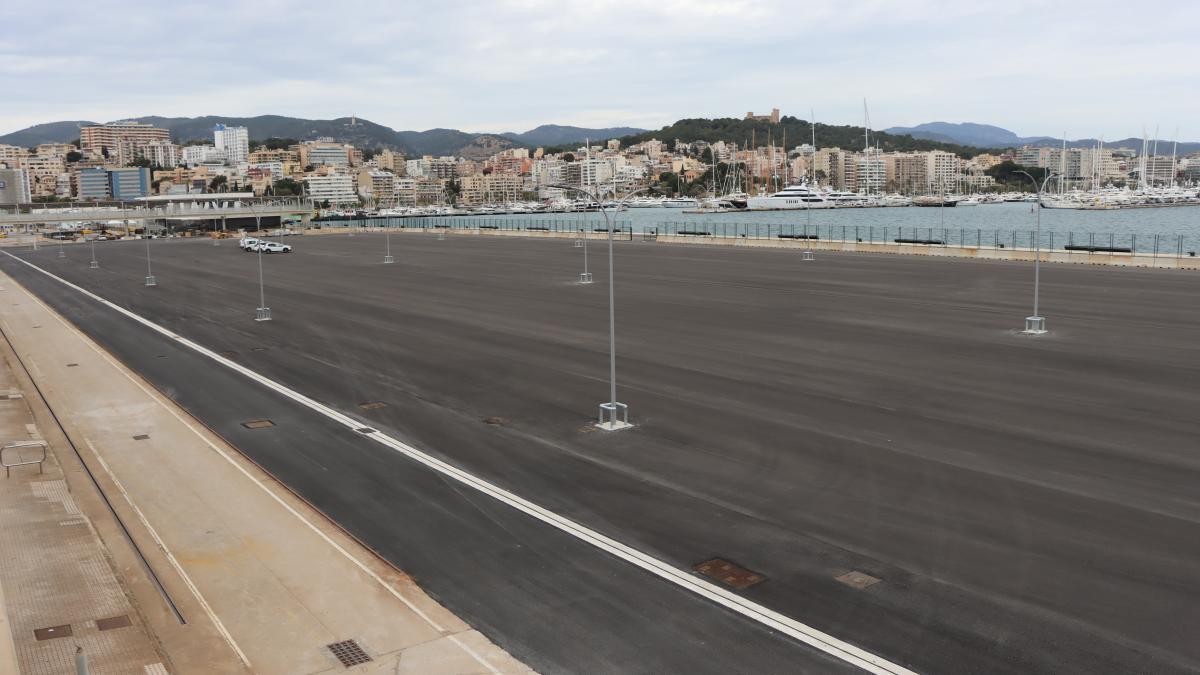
<point>1092,69</point>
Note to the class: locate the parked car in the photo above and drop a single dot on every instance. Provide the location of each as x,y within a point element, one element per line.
<point>272,247</point>
<point>248,243</point>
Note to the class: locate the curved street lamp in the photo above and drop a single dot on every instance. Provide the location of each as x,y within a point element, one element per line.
<point>1036,324</point>
<point>608,418</point>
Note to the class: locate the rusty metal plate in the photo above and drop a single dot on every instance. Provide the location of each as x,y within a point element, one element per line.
<point>729,574</point>
<point>349,653</point>
<point>372,405</point>
<point>859,580</point>
<point>258,424</point>
<point>114,622</point>
<point>53,632</point>
<point>140,437</point>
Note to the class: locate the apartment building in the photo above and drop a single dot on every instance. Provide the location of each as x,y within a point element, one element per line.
<point>336,188</point>
<point>43,173</point>
<point>11,156</point>
<point>906,172</point>
<point>377,185</point>
<point>162,153</point>
<point>944,169</point>
<point>195,155</point>
<point>235,141</point>
<point>121,142</point>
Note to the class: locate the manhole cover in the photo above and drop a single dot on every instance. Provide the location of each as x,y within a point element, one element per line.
<point>349,653</point>
<point>859,580</point>
<point>53,632</point>
<point>141,437</point>
<point>113,622</point>
<point>494,421</point>
<point>729,574</point>
<point>372,405</point>
<point>258,424</point>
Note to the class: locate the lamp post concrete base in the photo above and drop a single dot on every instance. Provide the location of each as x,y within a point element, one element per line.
<point>585,277</point>
<point>807,255</point>
<point>262,314</point>
<point>613,416</point>
<point>578,243</point>
<point>441,236</point>
<point>95,265</point>
<point>62,253</point>
<point>1035,325</point>
<point>388,260</point>
<point>150,281</point>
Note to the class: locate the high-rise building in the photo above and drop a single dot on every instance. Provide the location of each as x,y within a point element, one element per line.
<point>93,183</point>
<point>235,141</point>
<point>162,153</point>
<point>14,187</point>
<point>120,141</point>
<point>11,156</point>
<point>202,154</point>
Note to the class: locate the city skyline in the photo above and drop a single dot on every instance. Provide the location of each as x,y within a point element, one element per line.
<point>511,66</point>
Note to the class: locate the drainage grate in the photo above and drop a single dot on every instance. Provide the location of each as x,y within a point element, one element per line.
<point>141,437</point>
<point>859,580</point>
<point>372,405</point>
<point>258,424</point>
<point>53,632</point>
<point>72,365</point>
<point>349,653</point>
<point>729,573</point>
<point>494,421</point>
<point>365,430</point>
<point>114,622</point>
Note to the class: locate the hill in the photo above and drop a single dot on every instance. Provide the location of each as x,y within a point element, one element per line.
<point>51,132</point>
<point>797,131</point>
<point>986,135</point>
<point>553,134</point>
<point>357,131</point>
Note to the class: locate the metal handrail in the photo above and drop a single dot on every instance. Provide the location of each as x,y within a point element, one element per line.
<point>21,445</point>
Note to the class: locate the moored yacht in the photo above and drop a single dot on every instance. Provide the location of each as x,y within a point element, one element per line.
<point>797,196</point>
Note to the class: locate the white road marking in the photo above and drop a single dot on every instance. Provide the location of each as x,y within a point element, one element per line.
<point>751,610</point>
<point>158,398</point>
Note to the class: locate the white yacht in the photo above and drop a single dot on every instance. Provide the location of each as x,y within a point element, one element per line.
<point>680,203</point>
<point>797,196</point>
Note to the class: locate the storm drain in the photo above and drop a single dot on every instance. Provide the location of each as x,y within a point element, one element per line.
<point>349,653</point>
<point>53,632</point>
<point>365,430</point>
<point>258,424</point>
<point>372,405</point>
<point>858,580</point>
<point>141,437</point>
<point>729,574</point>
<point>72,365</point>
<point>114,622</point>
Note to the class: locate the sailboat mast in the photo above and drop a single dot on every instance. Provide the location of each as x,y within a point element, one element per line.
<point>1174,148</point>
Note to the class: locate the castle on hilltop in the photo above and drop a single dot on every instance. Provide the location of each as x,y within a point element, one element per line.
<point>773,118</point>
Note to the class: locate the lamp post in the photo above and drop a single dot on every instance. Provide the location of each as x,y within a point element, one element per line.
<point>150,280</point>
<point>387,238</point>
<point>608,418</point>
<point>94,265</point>
<point>262,313</point>
<point>1036,324</point>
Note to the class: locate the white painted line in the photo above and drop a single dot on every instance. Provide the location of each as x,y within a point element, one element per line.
<point>752,610</point>
<point>170,557</point>
<point>170,408</point>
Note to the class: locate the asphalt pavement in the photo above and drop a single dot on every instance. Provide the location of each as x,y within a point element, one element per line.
<point>1028,504</point>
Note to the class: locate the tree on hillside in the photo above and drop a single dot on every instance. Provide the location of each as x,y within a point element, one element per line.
<point>217,184</point>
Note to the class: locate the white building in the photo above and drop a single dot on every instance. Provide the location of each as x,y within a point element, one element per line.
<point>194,155</point>
<point>276,168</point>
<point>871,173</point>
<point>162,153</point>
<point>235,141</point>
<point>334,188</point>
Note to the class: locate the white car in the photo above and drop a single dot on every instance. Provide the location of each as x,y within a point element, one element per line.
<point>272,247</point>
<point>248,243</point>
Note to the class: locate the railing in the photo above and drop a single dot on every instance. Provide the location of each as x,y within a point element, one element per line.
<point>20,447</point>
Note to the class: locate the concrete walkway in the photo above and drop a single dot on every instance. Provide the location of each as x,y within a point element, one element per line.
<point>264,583</point>
<point>60,591</point>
